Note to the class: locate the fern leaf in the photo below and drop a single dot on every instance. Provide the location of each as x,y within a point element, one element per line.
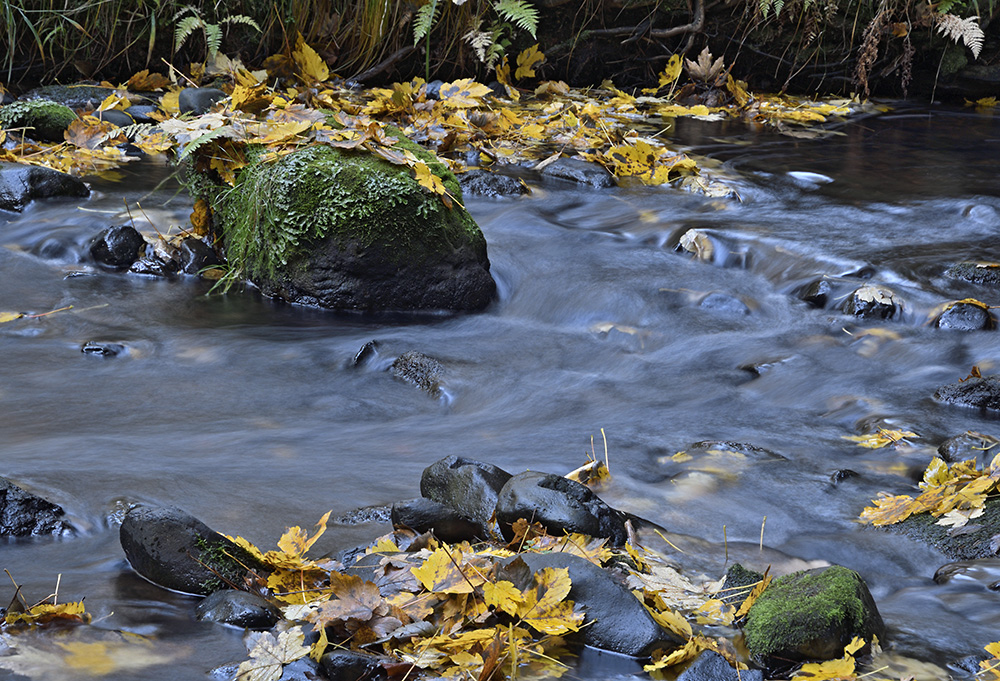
<point>185,28</point>
<point>193,145</point>
<point>520,13</point>
<point>944,7</point>
<point>964,30</point>
<point>426,16</point>
<point>241,19</point>
<point>129,131</point>
<point>213,40</point>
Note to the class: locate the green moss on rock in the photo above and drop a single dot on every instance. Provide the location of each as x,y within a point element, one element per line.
<point>812,615</point>
<point>278,209</point>
<point>48,119</point>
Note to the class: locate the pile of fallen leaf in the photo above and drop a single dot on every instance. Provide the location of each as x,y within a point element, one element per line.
<point>295,101</point>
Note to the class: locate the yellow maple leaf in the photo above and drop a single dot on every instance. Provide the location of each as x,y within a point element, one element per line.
<point>686,652</point>
<point>251,98</point>
<point>670,620</point>
<point>311,66</point>
<point>296,541</point>
<point>841,668</point>
<point>526,62</point>
<point>144,81</point>
<point>503,595</point>
<point>880,439</point>
<point>463,93</point>
<point>669,75</point>
<point>545,608</point>
<point>991,668</point>
<point>9,316</point>
<point>43,613</point>
<point>758,589</point>
<point>441,573</point>
<point>427,179</point>
<point>116,100</point>
<point>503,77</point>
<point>888,510</point>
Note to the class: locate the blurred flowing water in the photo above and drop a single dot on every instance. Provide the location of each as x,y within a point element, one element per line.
<point>249,414</point>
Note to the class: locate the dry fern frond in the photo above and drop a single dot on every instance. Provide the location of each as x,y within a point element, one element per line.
<point>704,69</point>
<point>965,30</point>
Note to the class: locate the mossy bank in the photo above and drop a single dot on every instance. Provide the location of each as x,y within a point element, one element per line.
<point>348,230</point>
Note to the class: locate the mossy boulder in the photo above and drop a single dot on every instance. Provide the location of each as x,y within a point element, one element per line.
<point>348,230</point>
<point>48,120</point>
<point>811,615</point>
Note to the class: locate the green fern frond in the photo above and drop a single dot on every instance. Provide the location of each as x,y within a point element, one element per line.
<point>426,17</point>
<point>241,19</point>
<point>185,28</point>
<point>213,40</point>
<point>944,7</point>
<point>193,145</point>
<point>520,13</point>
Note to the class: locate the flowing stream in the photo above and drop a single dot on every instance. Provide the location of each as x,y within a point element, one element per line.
<point>250,415</point>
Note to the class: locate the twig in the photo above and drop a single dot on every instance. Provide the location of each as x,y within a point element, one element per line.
<point>386,64</point>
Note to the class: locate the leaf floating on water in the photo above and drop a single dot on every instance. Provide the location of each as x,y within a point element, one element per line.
<point>9,316</point>
<point>697,242</point>
<point>880,439</point>
<point>830,670</point>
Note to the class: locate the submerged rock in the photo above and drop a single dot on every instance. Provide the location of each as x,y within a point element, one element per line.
<point>811,615</point>
<point>47,120</point>
<point>348,230</point>
<point>616,620</point>
<point>492,185</point>
<point>965,317</point>
<point>982,273</point>
<point>711,666</point>
<point>420,370</point>
<point>21,183</point>
<point>118,247</point>
<point>103,349</point>
<point>238,609</point>
<point>471,487</point>
<point>817,293</point>
<point>969,445</point>
<point>351,665</point>
<point>724,304</point>
<point>179,552</point>
<point>581,172</point>
<point>23,514</point>
<point>194,255</point>
<point>982,393</point>
<point>560,505</point>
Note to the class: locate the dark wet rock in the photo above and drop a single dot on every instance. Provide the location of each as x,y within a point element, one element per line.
<point>115,117</point>
<point>811,615</point>
<point>423,515</point>
<point>365,514</point>
<point>103,349</point>
<point>711,666</point>
<point>965,317</point>
<point>980,538</point>
<point>140,113</point>
<point>20,184</point>
<point>581,172</point>
<point>984,573</point>
<point>198,100</point>
<point>817,293</point>
<point>420,370</point>
<point>6,98</point>
<point>872,302</point>
<point>492,185</point>
<point>23,514</point>
<point>739,582</point>
<point>616,620</point>
<point>47,120</point>
<point>471,487</point>
<point>969,445</point>
<point>982,393</point>
<point>340,229</point>
<point>982,273</point>
<point>118,247</point>
<point>724,304</point>
<point>303,669</point>
<point>349,665</point>
<point>179,552</point>
<point>238,609</point>
<point>194,255</point>
<point>367,353</point>
<point>841,475</point>
<point>761,367</point>
<point>153,266</point>
<point>560,505</point>
<point>72,96</point>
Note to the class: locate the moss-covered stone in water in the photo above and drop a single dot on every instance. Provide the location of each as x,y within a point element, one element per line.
<point>812,615</point>
<point>48,119</point>
<point>341,228</point>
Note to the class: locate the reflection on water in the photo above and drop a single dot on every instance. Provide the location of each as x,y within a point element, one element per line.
<point>250,415</point>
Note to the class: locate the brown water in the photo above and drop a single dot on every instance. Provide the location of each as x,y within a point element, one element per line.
<point>249,415</point>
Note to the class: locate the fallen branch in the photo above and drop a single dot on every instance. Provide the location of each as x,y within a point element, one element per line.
<point>387,63</point>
